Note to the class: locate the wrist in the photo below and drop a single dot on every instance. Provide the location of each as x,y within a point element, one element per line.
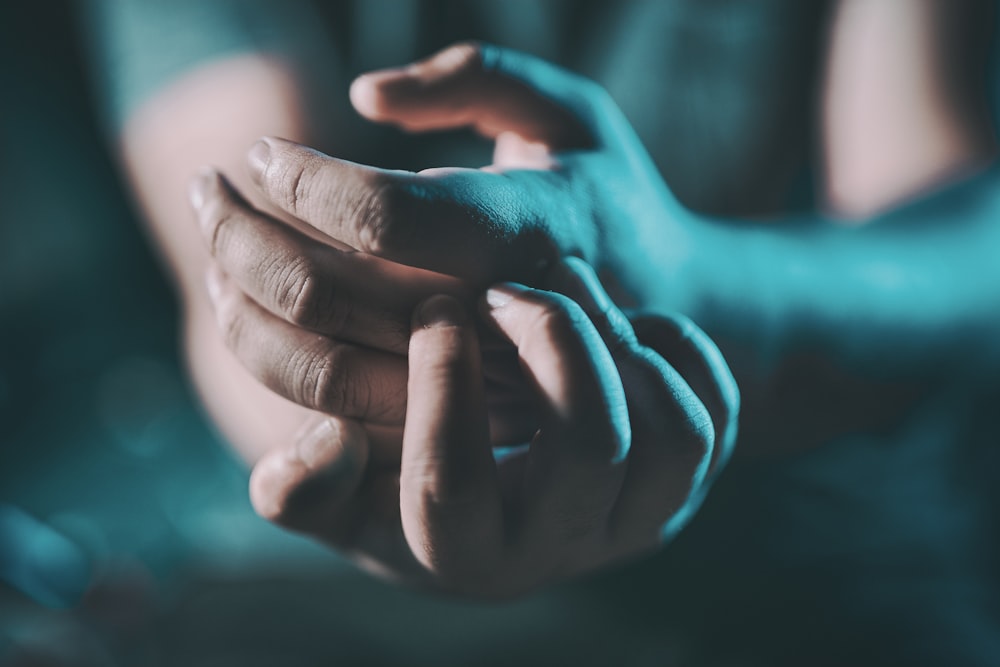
<point>655,260</point>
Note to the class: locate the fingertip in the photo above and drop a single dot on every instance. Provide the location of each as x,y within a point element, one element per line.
<point>364,95</point>
<point>268,485</point>
<point>201,186</point>
<point>258,157</point>
<point>385,95</point>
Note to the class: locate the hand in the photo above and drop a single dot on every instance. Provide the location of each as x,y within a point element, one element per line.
<point>564,158</point>
<point>569,176</point>
<point>629,439</point>
<point>326,328</point>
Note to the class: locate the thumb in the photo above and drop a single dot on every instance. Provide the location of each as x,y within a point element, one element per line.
<point>490,89</point>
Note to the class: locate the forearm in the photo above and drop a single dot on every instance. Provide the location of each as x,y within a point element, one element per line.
<point>910,292</point>
<point>211,116</point>
<point>187,84</point>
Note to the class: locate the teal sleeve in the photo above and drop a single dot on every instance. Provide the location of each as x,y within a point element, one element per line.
<point>137,46</point>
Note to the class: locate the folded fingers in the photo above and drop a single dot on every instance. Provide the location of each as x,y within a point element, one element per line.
<point>576,461</point>
<point>309,369</point>
<point>345,295</point>
<point>680,403</point>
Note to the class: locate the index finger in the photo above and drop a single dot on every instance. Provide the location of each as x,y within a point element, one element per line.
<point>463,222</point>
<point>449,494</point>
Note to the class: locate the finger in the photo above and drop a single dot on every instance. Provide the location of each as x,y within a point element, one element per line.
<point>344,295</point>
<point>491,89</point>
<point>449,496</point>
<point>303,485</point>
<point>512,411</point>
<point>697,358</point>
<point>321,485</point>
<point>306,368</point>
<point>463,222</point>
<point>576,461</point>
<point>673,433</point>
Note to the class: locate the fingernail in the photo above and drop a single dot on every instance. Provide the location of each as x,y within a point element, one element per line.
<point>441,310</point>
<point>314,443</point>
<point>500,295</point>
<point>258,158</point>
<point>213,283</point>
<point>200,186</point>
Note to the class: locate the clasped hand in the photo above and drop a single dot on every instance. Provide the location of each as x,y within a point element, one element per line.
<point>624,422</point>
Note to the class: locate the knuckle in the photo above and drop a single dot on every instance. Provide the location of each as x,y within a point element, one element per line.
<point>558,317</point>
<point>294,290</point>
<point>294,186</point>
<point>695,442</point>
<point>308,299</point>
<point>381,219</point>
<point>326,384</point>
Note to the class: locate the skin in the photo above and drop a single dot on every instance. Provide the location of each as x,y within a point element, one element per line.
<point>203,118</point>
<point>626,447</point>
<point>902,109</point>
<point>565,154</point>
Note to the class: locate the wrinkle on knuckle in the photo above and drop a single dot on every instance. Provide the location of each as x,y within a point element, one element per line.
<point>304,373</point>
<point>301,302</point>
<point>330,386</point>
<point>299,189</point>
<point>378,214</point>
<point>307,298</point>
<point>324,384</point>
<point>290,287</point>
<point>295,186</point>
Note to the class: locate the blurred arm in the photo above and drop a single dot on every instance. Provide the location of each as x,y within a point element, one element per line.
<point>913,292</point>
<point>904,103</point>
<point>189,84</point>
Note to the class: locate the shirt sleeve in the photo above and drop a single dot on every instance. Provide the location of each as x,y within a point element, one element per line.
<point>137,46</point>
